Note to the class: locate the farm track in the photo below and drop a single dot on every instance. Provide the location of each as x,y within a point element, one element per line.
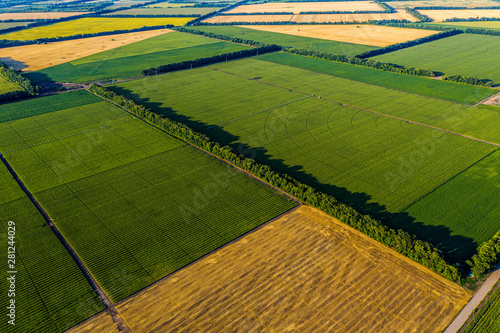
<point>480,298</point>
<point>358,108</point>
<point>111,310</point>
<point>487,99</point>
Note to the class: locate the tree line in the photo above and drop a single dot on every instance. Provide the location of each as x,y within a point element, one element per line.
<point>416,26</point>
<point>486,258</point>
<point>472,19</point>
<point>9,43</point>
<point>399,46</point>
<point>300,23</point>
<point>472,80</point>
<point>12,75</point>
<point>257,13</point>
<point>420,17</point>
<point>452,7</point>
<point>398,240</point>
<point>210,60</point>
<point>479,31</point>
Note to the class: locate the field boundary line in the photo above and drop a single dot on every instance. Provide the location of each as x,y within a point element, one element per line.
<point>362,109</point>
<point>86,273</point>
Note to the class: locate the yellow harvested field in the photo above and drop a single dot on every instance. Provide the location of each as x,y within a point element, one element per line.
<point>298,7</point>
<point>170,5</point>
<point>376,35</point>
<point>36,57</point>
<point>37,16</point>
<point>303,272</point>
<point>441,15</point>
<point>322,18</point>
<point>90,25</point>
<point>443,3</point>
<point>101,322</point>
<point>309,18</point>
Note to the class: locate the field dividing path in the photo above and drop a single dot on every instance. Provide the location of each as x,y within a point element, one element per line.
<point>358,108</point>
<point>476,300</point>
<point>122,326</point>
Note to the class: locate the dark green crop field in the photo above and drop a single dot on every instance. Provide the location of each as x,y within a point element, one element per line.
<point>464,54</point>
<point>454,92</point>
<point>376,163</point>
<point>51,293</point>
<point>129,60</point>
<point>488,318</point>
<point>135,203</point>
<point>287,40</point>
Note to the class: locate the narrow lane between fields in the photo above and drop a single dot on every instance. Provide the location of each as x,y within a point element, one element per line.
<point>476,300</point>
<point>122,326</point>
<point>358,108</point>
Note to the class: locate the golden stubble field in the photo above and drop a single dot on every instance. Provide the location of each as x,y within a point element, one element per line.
<point>39,56</point>
<point>37,16</point>
<point>316,18</point>
<point>441,15</point>
<point>303,272</point>
<point>102,323</point>
<point>376,35</point>
<point>297,7</point>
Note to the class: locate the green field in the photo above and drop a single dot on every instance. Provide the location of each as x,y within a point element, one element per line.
<point>129,60</point>
<point>7,85</point>
<point>91,25</point>
<point>167,11</point>
<point>135,203</point>
<point>13,24</point>
<point>288,40</point>
<point>460,93</point>
<point>52,294</point>
<point>375,163</point>
<point>464,54</point>
<point>490,25</point>
<point>488,318</point>
<point>476,191</point>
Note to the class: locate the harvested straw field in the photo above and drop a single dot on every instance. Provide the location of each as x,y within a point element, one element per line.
<point>303,272</point>
<point>102,322</point>
<point>441,15</point>
<point>322,18</point>
<point>443,3</point>
<point>308,18</point>
<point>375,35</point>
<point>37,16</point>
<point>298,7</point>
<point>36,57</point>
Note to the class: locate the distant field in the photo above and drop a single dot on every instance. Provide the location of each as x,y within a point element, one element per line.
<point>304,272</point>
<point>477,191</point>
<point>443,3</point>
<point>167,11</point>
<point>52,294</point>
<point>39,56</point>
<point>374,35</point>
<point>129,60</point>
<point>484,25</point>
<point>460,93</point>
<point>375,163</point>
<point>7,85</point>
<point>299,42</point>
<point>298,7</point>
<point>97,168</point>
<point>466,54</point>
<point>91,25</point>
<point>126,3</point>
<point>13,24</point>
<point>441,15</point>
<point>488,318</point>
<point>170,5</point>
<point>37,16</point>
<point>312,18</point>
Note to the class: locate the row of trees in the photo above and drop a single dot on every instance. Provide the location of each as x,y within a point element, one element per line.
<point>28,88</point>
<point>486,258</point>
<point>399,46</point>
<point>9,43</point>
<point>302,23</point>
<point>452,7</point>
<point>420,17</point>
<point>472,80</point>
<point>398,240</point>
<point>480,31</point>
<point>416,26</point>
<point>361,62</point>
<point>210,60</point>
<point>258,13</point>
<point>472,19</point>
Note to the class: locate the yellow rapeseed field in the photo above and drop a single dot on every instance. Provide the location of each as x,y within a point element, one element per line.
<point>91,25</point>
<point>303,272</point>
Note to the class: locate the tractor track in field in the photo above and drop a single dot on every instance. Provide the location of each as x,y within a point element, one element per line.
<point>359,108</point>
<point>110,308</point>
